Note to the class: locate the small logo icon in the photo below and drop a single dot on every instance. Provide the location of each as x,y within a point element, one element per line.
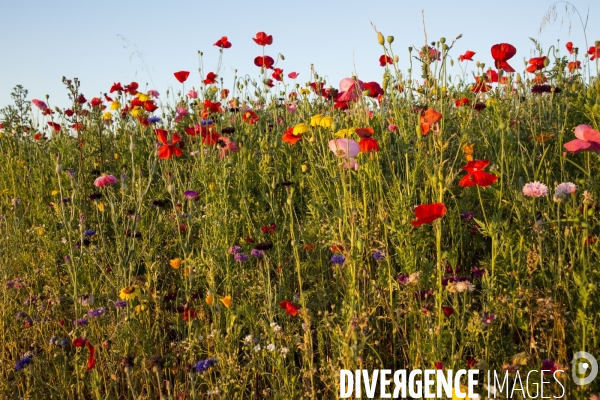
<point>583,364</point>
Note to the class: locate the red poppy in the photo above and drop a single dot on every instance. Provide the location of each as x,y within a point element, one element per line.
<point>373,89</point>
<point>502,53</point>
<point>269,83</point>
<point>278,74</point>
<point>536,64</point>
<point>573,65</point>
<point>91,355</point>
<point>116,87</point>
<point>210,137</point>
<point>250,117</point>
<point>39,136</point>
<point>210,78</point>
<point>189,314</point>
<point>364,132</point>
<point>481,86</point>
<point>289,137</point>
<point>289,307</point>
<point>540,78</point>
<point>223,43</point>
<point>476,174</point>
<point>569,46</point>
<point>224,93</point>
<point>594,52</point>
<point>467,56</point>
<point>132,88</point>
<point>293,75</point>
<point>95,102</point>
<point>79,342</point>
<point>385,59</point>
<point>341,105</point>
<point>150,106</point>
<point>471,362</point>
<point>69,113</point>
<point>269,228</point>
<point>430,119</point>
<point>182,76</point>
<point>263,39</point>
<point>448,311</point>
<point>54,126</point>
<point>504,80</point>
<point>368,144</point>
<point>337,248</point>
<point>491,75</point>
<point>212,107</point>
<point>462,102</point>
<point>168,149</point>
<point>77,126</point>
<point>266,62</point>
<point>427,213</point>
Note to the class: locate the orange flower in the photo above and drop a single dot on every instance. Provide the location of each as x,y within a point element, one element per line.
<point>289,136</point>
<point>429,120</point>
<point>250,117</point>
<point>175,263</point>
<point>227,301</point>
<point>368,144</point>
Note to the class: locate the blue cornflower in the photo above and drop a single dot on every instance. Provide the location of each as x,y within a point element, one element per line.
<point>120,303</point>
<point>379,255</point>
<point>22,363</point>
<point>203,365</point>
<point>89,232</point>
<point>206,122</point>
<point>153,120</point>
<point>81,322</point>
<point>338,259</point>
<point>96,312</point>
<point>257,253</point>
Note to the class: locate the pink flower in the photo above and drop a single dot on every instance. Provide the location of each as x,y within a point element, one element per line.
<point>392,128</point>
<point>192,94</point>
<point>105,180</point>
<point>346,148</point>
<point>292,107</point>
<point>40,104</point>
<point>293,75</point>
<point>588,139</point>
<point>226,146</point>
<point>535,189</point>
<point>153,93</point>
<point>350,89</point>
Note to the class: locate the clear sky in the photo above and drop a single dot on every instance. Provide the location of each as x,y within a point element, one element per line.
<point>146,41</point>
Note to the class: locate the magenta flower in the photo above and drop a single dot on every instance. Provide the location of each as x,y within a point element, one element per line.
<point>153,93</point>
<point>226,146</point>
<point>40,104</point>
<point>192,94</point>
<point>350,89</point>
<point>105,180</point>
<point>588,139</point>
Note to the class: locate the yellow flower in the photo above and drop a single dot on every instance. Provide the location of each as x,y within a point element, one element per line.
<point>140,308</point>
<point>326,122</point>
<point>468,151</point>
<point>300,129</point>
<point>106,116</point>
<point>316,120</point>
<point>129,293</point>
<point>143,97</point>
<point>55,192</point>
<point>464,390</point>
<point>101,207</point>
<point>116,156</point>
<point>304,91</point>
<point>304,167</point>
<point>490,102</point>
<point>226,301</point>
<point>115,105</point>
<point>342,133</point>
<point>211,186</point>
<point>41,231</point>
<point>175,263</point>
<point>209,299</point>
<point>137,111</point>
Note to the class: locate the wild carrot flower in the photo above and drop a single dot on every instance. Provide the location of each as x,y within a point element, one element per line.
<point>535,189</point>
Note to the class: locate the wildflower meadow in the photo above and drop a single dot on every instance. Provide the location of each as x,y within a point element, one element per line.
<point>249,239</point>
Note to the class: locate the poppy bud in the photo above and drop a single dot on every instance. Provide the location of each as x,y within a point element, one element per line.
<point>443,40</point>
<point>501,126</point>
<point>518,78</point>
<point>546,62</point>
<point>445,47</point>
<point>396,58</point>
<point>281,56</point>
<point>478,64</point>
<point>57,110</point>
<point>380,39</point>
<point>200,53</point>
<point>452,63</point>
<point>390,39</point>
<point>482,65</point>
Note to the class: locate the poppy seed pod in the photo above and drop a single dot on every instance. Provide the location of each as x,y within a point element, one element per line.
<point>380,38</point>
<point>410,49</point>
<point>390,39</point>
<point>443,40</point>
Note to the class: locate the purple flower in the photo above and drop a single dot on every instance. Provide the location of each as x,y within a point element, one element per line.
<point>241,257</point>
<point>257,253</point>
<point>89,232</point>
<point>549,367</point>
<point>120,303</point>
<point>234,249</point>
<point>153,120</point>
<point>488,318</point>
<point>478,272</point>
<point>22,363</point>
<point>379,255</point>
<point>203,365</point>
<point>96,312</point>
<point>65,200</point>
<point>190,194</point>
<point>81,322</point>
<point>467,215</point>
<point>206,122</point>
<point>338,259</point>
<point>403,278</point>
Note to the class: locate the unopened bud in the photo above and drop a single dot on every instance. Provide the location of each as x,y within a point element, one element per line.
<point>390,39</point>
<point>380,38</point>
<point>396,58</point>
<point>282,57</point>
<point>546,62</point>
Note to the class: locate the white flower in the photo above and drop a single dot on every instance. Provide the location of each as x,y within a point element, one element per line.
<point>414,277</point>
<point>257,348</point>
<point>276,328</point>
<point>249,339</point>
<point>271,347</point>
<point>284,351</point>
<point>200,338</point>
<point>563,190</point>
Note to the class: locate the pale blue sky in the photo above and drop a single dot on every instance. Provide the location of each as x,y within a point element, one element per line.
<point>43,40</point>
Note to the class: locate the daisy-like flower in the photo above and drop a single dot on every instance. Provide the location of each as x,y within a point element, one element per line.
<point>129,293</point>
<point>535,189</point>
